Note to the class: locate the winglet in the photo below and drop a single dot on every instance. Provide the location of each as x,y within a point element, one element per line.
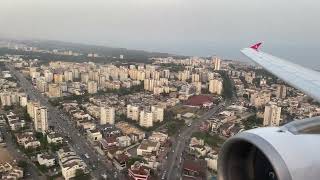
<point>256,46</point>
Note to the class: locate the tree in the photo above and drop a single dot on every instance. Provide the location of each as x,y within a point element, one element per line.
<point>174,126</point>
<point>22,163</point>
<point>252,122</point>
<point>132,160</point>
<point>228,88</point>
<point>168,115</point>
<point>211,140</point>
<point>81,175</point>
<point>7,108</point>
<point>43,140</point>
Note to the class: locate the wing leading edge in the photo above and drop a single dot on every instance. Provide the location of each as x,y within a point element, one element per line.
<point>304,79</point>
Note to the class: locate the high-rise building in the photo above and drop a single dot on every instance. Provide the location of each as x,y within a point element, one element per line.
<point>166,73</point>
<point>133,112</point>
<point>23,99</point>
<point>195,77</point>
<point>76,73</point>
<point>141,75</point>
<point>164,82</point>
<point>149,84</point>
<point>183,75</point>
<point>272,115</point>
<point>281,91</point>
<point>155,75</point>
<point>84,77</point>
<point>42,85</point>
<point>146,118</point>
<point>107,115</point>
<point>158,113</point>
<point>54,90</point>
<point>92,87</point>
<point>68,76</point>
<point>198,87</point>
<point>48,76</point>
<point>58,78</point>
<point>40,119</point>
<point>259,99</point>
<point>31,105</point>
<point>8,98</point>
<point>102,80</point>
<point>215,86</point>
<point>217,64</point>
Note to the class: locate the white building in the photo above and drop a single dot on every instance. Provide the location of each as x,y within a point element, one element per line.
<point>124,141</point>
<point>54,138</point>
<point>148,147</point>
<point>259,99</point>
<point>215,86</point>
<point>158,113</point>
<point>48,76</point>
<point>281,91</point>
<point>133,112</point>
<point>68,76</point>
<point>107,115</point>
<point>41,119</point>
<point>212,161</point>
<point>46,160</point>
<point>9,98</point>
<point>217,64</point>
<point>92,87</point>
<point>272,115</point>
<point>146,118</point>
<point>70,162</point>
<point>195,78</point>
<point>23,99</point>
<point>54,90</point>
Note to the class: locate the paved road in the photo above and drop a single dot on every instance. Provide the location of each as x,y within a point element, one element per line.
<point>173,163</point>
<point>62,124</point>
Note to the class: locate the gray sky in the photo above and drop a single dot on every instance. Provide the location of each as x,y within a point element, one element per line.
<point>289,28</point>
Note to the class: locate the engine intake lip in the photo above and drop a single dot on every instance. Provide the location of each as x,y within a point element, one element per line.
<point>246,138</point>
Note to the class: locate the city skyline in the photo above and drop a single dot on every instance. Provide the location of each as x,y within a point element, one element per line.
<point>181,27</point>
<point>159,89</point>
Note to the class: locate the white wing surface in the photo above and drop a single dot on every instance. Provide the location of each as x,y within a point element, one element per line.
<point>304,79</point>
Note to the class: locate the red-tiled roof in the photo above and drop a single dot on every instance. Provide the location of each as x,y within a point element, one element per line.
<point>196,166</point>
<point>199,100</point>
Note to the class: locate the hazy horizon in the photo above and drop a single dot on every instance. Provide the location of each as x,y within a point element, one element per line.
<point>186,27</point>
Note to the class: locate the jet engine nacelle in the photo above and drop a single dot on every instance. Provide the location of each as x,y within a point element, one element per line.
<point>290,152</point>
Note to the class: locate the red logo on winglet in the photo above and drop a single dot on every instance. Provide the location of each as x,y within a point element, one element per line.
<point>256,46</point>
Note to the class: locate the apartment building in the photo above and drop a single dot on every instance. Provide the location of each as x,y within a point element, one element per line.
<point>107,115</point>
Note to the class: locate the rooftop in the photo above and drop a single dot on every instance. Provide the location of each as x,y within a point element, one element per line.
<point>199,100</point>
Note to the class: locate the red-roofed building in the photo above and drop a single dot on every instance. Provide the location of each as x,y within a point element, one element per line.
<point>108,142</point>
<point>194,170</point>
<point>139,172</point>
<point>200,101</point>
<point>120,161</point>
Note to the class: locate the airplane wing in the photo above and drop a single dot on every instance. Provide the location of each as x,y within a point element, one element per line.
<point>304,79</point>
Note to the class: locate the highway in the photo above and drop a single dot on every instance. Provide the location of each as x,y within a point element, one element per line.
<point>173,163</point>
<point>63,125</point>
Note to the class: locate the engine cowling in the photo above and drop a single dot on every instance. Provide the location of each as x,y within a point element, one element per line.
<point>291,152</point>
